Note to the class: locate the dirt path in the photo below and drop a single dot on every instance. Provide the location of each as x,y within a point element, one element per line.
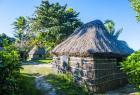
<point>42,84</point>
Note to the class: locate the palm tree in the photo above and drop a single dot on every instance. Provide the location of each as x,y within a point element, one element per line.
<point>110,27</point>
<point>20,25</point>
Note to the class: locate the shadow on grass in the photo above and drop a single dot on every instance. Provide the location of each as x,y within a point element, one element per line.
<point>45,61</point>
<point>30,75</point>
<point>65,85</point>
<point>27,85</point>
<point>36,62</point>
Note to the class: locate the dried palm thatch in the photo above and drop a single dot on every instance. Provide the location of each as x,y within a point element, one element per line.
<point>91,38</point>
<point>37,51</point>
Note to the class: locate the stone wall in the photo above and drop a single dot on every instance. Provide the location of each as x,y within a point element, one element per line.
<point>100,74</point>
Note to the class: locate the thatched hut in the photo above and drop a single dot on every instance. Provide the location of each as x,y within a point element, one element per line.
<point>37,53</point>
<point>91,54</point>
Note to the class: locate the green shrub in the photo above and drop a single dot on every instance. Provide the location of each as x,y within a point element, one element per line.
<point>132,68</point>
<point>9,71</point>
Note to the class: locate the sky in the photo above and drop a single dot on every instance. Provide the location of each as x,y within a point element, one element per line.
<point>119,11</point>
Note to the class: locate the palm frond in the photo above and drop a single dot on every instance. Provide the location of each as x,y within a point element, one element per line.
<point>117,33</point>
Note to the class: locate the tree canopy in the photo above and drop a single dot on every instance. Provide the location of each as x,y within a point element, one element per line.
<point>136,6</point>
<point>55,22</point>
<point>50,25</point>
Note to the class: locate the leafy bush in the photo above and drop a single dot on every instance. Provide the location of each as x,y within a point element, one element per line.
<point>132,68</point>
<point>9,70</point>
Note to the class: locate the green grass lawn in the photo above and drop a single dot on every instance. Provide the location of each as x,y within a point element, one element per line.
<point>36,69</point>
<point>45,61</point>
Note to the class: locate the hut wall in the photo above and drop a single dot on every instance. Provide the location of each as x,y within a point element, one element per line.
<point>100,74</point>
<point>36,57</point>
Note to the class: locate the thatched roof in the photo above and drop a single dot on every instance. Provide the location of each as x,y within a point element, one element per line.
<point>37,51</point>
<point>91,38</point>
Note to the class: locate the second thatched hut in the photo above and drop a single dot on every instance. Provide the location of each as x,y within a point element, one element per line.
<point>91,54</point>
<point>37,53</point>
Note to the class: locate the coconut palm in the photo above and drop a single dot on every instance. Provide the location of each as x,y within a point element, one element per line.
<point>20,25</point>
<point>110,27</point>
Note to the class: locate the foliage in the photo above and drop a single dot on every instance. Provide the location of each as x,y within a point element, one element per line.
<point>11,81</point>
<point>51,24</point>
<point>54,22</point>
<point>65,85</point>
<point>20,25</point>
<point>22,29</point>
<point>23,36</point>
<point>110,27</point>
<point>132,68</point>
<point>9,70</point>
<point>4,39</point>
<point>136,6</point>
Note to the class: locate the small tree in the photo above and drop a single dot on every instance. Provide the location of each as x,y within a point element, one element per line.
<point>132,68</point>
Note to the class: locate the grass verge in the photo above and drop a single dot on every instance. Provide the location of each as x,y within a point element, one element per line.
<point>64,85</point>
